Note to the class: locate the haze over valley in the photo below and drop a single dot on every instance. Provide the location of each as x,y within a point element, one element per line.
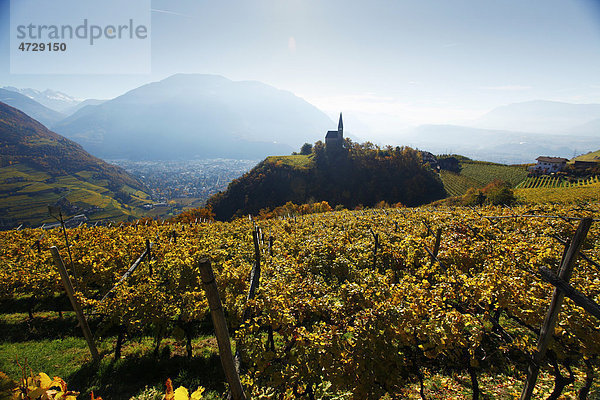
<point>196,116</point>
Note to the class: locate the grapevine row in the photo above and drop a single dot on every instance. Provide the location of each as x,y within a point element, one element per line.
<point>329,310</point>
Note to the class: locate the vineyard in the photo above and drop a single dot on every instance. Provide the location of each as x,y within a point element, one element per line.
<point>549,181</point>
<point>384,303</point>
<point>477,174</point>
<point>484,173</point>
<point>457,184</point>
<point>561,195</point>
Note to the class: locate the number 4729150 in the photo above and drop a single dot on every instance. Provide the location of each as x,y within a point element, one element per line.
<point>43,46</point>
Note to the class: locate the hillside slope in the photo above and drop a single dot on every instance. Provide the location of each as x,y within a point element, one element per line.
<point>362,175</point>
<point>196,116</point>
<point>591,156</point>
<point>40,168</point>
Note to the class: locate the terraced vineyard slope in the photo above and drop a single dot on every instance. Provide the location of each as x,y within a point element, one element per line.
<point>40,168</point>
<point>477,174</point>
<point>555,189</point>
<point>550,181</point>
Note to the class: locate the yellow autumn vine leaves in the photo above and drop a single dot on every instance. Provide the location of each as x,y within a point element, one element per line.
<point>41,387</point>
<point>328,309</point>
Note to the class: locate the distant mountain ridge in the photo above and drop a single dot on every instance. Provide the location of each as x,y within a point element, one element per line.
<point>501,146</point>
<point>590,128</point>
<point>84,103</point>
<point>53,99</point>
<point>196,116</point>
<point>31,107</point>
<point>206,116</point>
<point>539,116</point>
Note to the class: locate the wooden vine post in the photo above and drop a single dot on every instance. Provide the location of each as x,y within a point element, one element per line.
<point>87,333</point>
<point>436,247</point>
<point>221,332</point>
<point>131,270</point>
<point>547,329</point>
<point>375,245</point>
<point>578,298</point>
<point>149,256</point>
<point>57,210</point>
<point>254,283</point>
<point>255,274</point>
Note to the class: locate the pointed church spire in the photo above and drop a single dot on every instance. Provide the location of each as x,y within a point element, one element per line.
<point>341,127</point>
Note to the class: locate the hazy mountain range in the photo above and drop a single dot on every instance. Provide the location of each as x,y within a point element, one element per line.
<point>540,116</point>
<point>502,146</point>
<point>30,107</point>
<point>201,116</point>
<point>52,99</point>
<point>196,116</point>
<point>517,133</point>
<point>590,128</point>
<point>89,102</point>
<point>57,101</point>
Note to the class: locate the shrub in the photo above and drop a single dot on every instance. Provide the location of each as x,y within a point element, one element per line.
<point>499,193</point>
<point>306,149</point>
<point>496,193</point>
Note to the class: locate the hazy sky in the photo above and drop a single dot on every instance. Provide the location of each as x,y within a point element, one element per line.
<point>384,63</point>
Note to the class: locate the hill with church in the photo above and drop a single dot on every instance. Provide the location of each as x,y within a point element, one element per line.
<point>338,171</point>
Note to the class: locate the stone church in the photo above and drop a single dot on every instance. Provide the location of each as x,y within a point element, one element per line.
<point>335,139</point>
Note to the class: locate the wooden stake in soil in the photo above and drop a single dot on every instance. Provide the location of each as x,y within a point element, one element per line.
<point>255,274</point>
<point>436,248</point>
<point>87,333</point>
<point>148,256</point>
<point>254,283</point>
<point>218,318</point>
<point>57,210</point>
<point>547,328</point>
<point>376,245</point>
<point>130,271</point>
